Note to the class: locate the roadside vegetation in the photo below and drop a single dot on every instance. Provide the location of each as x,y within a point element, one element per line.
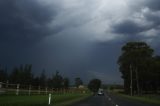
<point>42,100</point>
<point>22,88</point>
<point>145,98</point>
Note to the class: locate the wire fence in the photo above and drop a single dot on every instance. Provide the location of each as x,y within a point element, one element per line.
<point>20,89</point>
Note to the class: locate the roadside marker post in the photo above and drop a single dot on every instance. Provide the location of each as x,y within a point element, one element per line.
<point>49,101</point>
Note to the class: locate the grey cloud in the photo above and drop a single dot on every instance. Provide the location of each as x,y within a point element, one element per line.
<point>127,27</point>
<point>153,17</point>
<point>153,4</point>
<point>149,10</point>
<point>25,21</point>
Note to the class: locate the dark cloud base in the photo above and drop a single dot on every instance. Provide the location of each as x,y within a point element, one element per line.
<point>25,21</point>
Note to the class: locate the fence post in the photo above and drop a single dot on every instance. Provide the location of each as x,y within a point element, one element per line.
<point>17,91</point>
<point>29,90</point>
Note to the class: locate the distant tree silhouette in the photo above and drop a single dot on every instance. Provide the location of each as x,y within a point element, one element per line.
<point>3,74</point>
<point>65,83</point>
<point>36,81</point>
<point>27,74</point>
<point>78,82</point>
<point>94,85</point>
<point>21,75</point>
<point>57,81</point>
<point>43,79</point>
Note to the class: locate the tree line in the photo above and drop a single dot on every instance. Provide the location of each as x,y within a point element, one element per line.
<point>140,68</point>
<point>24,75</point>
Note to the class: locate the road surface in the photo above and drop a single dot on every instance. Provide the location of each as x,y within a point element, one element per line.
<point>110,100</point>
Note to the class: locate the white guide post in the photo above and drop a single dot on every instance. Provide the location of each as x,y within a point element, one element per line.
<point>49,101</point>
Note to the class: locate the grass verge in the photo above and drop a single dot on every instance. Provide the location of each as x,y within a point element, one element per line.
<point>72,100</point>
<point>41,100</point>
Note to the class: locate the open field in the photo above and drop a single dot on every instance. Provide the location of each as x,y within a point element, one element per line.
<point>42,100</point>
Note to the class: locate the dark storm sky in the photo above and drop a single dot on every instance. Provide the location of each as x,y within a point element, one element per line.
<point>80,38</point>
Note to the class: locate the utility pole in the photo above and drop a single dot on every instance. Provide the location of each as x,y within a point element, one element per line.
<point>131,78</point>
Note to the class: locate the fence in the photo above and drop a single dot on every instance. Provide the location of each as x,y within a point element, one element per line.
<point>20,89</point>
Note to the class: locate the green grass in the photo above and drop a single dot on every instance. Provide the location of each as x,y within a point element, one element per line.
<point>41,100</point>
<point>151,99</point>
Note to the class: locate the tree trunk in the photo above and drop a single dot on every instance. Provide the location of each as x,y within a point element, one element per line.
<point>137,80</point>
<point>131,80</point>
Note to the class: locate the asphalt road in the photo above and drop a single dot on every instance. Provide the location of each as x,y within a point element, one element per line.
<point>110,100</point>
<point>94,101</point>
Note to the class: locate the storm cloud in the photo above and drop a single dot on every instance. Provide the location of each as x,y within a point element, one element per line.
<point>25,21</point>
<point>153,4</point>
<point>140,19</point>
<point>77,37</point>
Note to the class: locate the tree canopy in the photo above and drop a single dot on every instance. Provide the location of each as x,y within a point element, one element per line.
<point>136,63</point>
<point>94,85</point>
<point>78,82</point>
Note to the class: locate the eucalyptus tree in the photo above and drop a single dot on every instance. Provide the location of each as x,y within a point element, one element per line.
<point>133,64</point>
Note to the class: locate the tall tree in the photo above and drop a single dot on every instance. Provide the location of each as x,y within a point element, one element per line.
<point>133,60</point>
<point>78,82</point>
